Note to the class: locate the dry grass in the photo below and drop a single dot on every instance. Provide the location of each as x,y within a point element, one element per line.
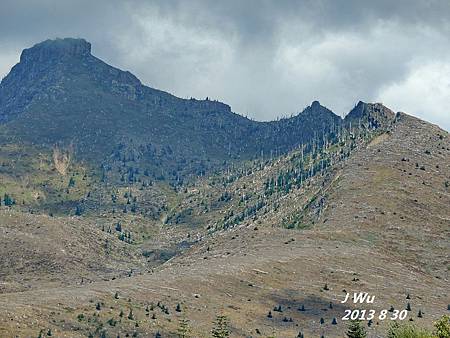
<point>384,230</point>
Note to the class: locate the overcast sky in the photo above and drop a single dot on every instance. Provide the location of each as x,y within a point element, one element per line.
<point>264,58</point>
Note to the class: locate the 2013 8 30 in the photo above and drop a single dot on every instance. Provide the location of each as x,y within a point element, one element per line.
<point>373,314</point>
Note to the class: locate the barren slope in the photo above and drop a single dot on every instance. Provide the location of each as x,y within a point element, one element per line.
<point>382,228</point>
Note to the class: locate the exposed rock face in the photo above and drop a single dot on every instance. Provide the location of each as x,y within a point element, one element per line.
<point>53,49</point>
<point>375,115</point>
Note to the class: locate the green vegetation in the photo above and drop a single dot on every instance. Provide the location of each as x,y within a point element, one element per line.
<point>442,327</point>
<point>441,330</point>
<point>356,330</point>
<point>184,330</point>
<point>220,329</point>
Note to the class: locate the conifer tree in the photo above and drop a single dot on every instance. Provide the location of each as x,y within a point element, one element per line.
<point>220,329</point>
<point>183,329</point>
<point>356,330</point>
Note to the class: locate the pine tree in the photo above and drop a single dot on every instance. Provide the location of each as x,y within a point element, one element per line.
<point>78,210</point>
<point>356,330</point>
<point>8,200</point>
<point>220,329</point>
<point>183,329</point>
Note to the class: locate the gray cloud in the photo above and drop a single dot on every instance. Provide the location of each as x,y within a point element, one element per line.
<point>265,58</point>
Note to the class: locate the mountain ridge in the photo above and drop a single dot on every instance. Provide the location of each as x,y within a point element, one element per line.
<point>59,93</point>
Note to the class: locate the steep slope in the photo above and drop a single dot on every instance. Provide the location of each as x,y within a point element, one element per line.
<point>381,227</point>
<point>397,188</point>
<point>59,93</point>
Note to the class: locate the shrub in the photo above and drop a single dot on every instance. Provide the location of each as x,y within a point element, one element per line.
<point>442,327</point>
<point>407,331</point>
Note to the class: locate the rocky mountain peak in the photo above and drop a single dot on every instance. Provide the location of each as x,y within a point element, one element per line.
<point>375,114</point>
<point>316,110</point>
<point>57,48</point>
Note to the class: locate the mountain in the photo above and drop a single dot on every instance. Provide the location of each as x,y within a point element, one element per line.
<point>125,210</point>
<point>59,93</point>
<point>373,219</point>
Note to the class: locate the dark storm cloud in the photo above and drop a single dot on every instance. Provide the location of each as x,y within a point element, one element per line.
<point>265,58</point>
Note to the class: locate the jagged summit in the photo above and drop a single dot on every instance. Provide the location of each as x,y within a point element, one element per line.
<point>56,48</point>
<point>373,114</point>
<point>317,108</point>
